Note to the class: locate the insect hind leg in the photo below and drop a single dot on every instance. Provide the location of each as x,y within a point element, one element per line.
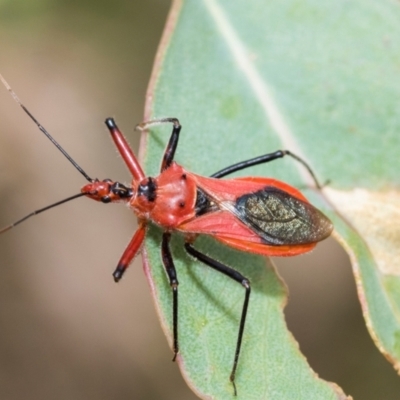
<point>264,159</point>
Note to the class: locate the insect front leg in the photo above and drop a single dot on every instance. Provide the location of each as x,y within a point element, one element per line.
<point>238,277</point>
<point>130,252</point>
<point>169,266</point>
<point>173,141</point>
<point>124,149</point>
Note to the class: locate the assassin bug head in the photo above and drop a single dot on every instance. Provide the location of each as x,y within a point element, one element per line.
<point>107,191</point>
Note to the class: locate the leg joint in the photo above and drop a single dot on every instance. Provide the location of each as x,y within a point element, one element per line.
<point>246,283</point>
<point>174,284</point>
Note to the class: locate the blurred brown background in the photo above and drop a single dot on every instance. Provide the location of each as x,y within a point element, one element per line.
<point>66,330</point>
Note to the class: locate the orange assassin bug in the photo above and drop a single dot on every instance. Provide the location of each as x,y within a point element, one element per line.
<point>253,214</point>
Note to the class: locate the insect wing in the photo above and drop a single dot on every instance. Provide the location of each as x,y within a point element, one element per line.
<point>282,219</point>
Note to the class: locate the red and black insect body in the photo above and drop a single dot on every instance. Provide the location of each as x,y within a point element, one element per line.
<point>252,214</point>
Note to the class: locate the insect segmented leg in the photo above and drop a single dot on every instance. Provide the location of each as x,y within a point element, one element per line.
<point>130,252</point>
<point>238,277</point>
<point>173,141</point>
<point>169,266</point>
<point>264,159</point>
<point>124,149</point>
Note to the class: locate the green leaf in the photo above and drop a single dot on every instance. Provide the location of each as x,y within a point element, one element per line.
<point>248,78</point>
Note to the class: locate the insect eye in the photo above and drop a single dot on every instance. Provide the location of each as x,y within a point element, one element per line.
<point>106,199</point>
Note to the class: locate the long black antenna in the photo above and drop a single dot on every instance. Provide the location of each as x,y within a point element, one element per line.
<point>66,155</point>
<point>6,228</point>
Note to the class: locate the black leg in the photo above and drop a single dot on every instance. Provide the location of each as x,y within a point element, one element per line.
<point>172,144</point>
<point>238,277</point>
<point>173,141</point>
<point>264,159</point>
<point>169,266</point>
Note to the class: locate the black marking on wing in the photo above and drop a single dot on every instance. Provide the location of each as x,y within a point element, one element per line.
<point>281,219</point>
<point>203,204</point>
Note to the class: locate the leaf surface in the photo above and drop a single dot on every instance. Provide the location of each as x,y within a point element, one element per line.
<point>320,79</point>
